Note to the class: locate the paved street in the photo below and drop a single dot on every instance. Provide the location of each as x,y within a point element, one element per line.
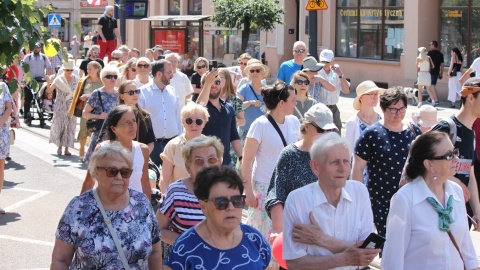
<point>39,184</point>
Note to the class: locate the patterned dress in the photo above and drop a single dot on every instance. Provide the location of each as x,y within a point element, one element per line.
<point>110,101</point>
<point>82,226</point>
<point>5,98</point>
<point>62,131</point>
<point>87,89</point>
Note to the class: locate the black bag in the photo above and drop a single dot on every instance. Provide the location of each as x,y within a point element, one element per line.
<point>77,112</point>
<point>96,124</point>
<point>454,71</point>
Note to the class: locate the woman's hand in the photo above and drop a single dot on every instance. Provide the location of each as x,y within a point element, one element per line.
<point>84,97</point>
<point>103,115</point>
<point>257,103</point>
<point>251,198</point>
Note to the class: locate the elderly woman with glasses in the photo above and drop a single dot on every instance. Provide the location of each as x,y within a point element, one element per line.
<point>180,209</point>
<point>384,148</point>
<point>292,170</point>
<point>85,241</point>
<point>62,131</point>
<point>101,102</point>
<point>220,241</point>
<point>429,212</point>
<point>200,67</point>
<point>194,117</point>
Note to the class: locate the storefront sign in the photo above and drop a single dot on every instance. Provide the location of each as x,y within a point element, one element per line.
<point>453,14</point>
<point>316,5</point>
<point>371,12</point>
<point>171,39</point>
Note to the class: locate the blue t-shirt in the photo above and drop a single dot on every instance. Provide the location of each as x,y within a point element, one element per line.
<point>287,69</point>
<point>252,112</point>
<point>190,251</point>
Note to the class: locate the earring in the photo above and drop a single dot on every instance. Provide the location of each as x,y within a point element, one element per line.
<point>435,178</point>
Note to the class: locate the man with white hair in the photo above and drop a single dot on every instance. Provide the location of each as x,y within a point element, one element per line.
<point>325,222</point>
<point>180,81</point>
<point>108,30</point>
<point>289,67</point>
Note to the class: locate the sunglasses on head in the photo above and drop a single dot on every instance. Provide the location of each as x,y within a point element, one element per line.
<point>145,66</point>
<point>255,70</point>
<point>221,203</point>
<point>202,66</point>
<point>132,92</point>
<point>113,172</point>
<point>198,122</point>
<point>448,156</point>
<point>299,50</point>
<point>201,162</point>
<point>301,82</point>
<point>110,76</point>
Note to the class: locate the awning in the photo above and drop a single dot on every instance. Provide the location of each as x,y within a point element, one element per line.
<point>178,18</point>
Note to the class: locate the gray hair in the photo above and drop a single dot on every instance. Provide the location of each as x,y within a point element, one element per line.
<point>297,43</point>
<point>322,145</point>
<point>176,55</point>
<point>108,69</point>
<point>199,142</point>
<point>192,108</point>
<point>113,150</point>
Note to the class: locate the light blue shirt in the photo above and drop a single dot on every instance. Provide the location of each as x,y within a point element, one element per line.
<point>287,69</point>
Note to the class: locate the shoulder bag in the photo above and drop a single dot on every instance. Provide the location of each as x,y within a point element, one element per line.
<point>275,125</point>
<point>96,124</point>
<point>107,220</point>
<point>455,69</point>
<point>80,103</point>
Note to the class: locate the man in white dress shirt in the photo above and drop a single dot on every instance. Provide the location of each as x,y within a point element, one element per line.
<point>143,72</point>
<point>160,100</point>
<point>180,81</point>
<point>334,75</point>
<point>325,222</point>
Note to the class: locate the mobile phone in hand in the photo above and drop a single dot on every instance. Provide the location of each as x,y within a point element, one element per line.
<point>373,241</point>
<point>213,65</point>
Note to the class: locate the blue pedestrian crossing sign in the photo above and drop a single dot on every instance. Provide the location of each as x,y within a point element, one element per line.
<point>54,20</point>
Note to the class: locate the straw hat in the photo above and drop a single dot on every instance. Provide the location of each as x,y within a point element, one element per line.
<point>68,65</point>
<point>362,89</point>
<point>426,117</point>
<point>255,63</point>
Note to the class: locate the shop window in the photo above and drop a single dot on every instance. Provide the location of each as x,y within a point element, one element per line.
<point>194,7</point>
<point>460,28</point>
<point>370,29</point>
<point>173,7</point>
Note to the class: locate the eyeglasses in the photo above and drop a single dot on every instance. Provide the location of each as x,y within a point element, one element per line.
<point>372,95</point>
<point>299,50</point>
<point>69,70</point>
<point>221,203</point>
<point>395,110</point>
<point>255,70</point>
<point>132,92</point>
<point>143,66</point>
<point>133,69</point>
<point>110,76</point>
<point>198,122</point>
<point>95,52</point>
<point>200,162</point>
<point>300,82</point>
<point>217,82</point>
<point>448,156</point>
<point>202,66</point>
<point>113,172</point>
<point>321,130</point>
<point>242,63</point>
<point>129,123</point>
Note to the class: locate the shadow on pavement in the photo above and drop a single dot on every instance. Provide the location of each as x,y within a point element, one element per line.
<point>9,218</point>
<point>14,165</point>
<point>10,184</point>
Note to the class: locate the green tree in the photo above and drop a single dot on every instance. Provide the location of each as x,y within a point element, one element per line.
<point>251,14</point>
<point>21,25</point>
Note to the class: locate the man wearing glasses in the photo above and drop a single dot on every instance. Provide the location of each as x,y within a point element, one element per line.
<point>92,55</point>
<point>161,101</point>
<point>462,122</point>
<point>289,67</point>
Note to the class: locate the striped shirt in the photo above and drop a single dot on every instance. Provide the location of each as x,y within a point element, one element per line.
<point>182,207</point>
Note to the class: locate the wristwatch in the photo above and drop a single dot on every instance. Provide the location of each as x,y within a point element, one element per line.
<point>341,76</point>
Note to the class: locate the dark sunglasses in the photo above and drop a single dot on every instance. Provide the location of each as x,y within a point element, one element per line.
<point>255,70</point>
<point>300,82</point>
<point>242,63</point>
<point>200,67</point>
<point>200,162</point>
<point>221,203</point>
<point>110,76</point>
<point>198,122</point>
<point>115,58</point>
<point>217,82</point>
<point>299,50</point>
<point>113,172</point>
<point>143,66</point>
<point>133,69</point>
<point>95,52</point>
<point>448,156</point>
<point>132,92</point>
<point>70,70</point>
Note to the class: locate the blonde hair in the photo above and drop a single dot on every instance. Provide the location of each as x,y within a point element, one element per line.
<point>199,142</point>
<point>192,108</point>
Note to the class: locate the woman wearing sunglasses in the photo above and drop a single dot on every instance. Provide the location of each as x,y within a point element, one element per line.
<point>300,82</point>
<point>427,227</point>
<point>84,240</point>
<point>62,131</point>
<point>101,102</point>
<point>180,209</point>
<point>200,67</point>
<point>85,87</point>
<point>129,71</point>
<point>194,117</point>
<point>220,241</point>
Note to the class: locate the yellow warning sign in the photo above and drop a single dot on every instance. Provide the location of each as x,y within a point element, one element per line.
<point>316,5</point>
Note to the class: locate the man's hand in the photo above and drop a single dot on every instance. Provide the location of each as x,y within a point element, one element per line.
<point>359,256</point>
<point>440,76</point>
<point>310,234</point>
<point>211,76</point>
<point>475,220</point>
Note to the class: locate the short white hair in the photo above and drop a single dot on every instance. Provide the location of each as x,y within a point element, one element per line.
<point>324,143</point>
<point>108,69</point>
<point>298,43</point>
<point>176,55</point>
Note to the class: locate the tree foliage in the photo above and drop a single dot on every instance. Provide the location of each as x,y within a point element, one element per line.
<point>21,25</point>
<point>251,14</point>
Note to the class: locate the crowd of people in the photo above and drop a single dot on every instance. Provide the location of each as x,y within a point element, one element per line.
<point>244,164</point>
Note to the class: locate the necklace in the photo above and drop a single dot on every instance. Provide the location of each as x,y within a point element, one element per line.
<point>210,235</point>
<point>370,122</point>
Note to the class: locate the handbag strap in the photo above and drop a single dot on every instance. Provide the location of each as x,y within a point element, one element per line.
<point>412,129</point>
<point>253,91</point>
<point>456,246</point>
<point>275,125</point>
<point>108,221</point>
<point>138,127</point>
<point>101,103</point>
